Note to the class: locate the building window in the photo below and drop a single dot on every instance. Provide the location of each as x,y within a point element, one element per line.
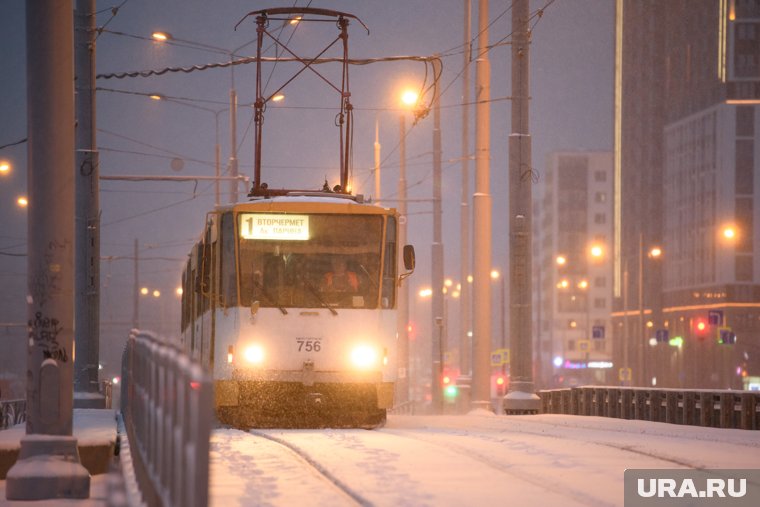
<point>743,268</point>
<point>745,121</point>
<point>745,162</point>
<point>600,176</point>
<point>600,197</point>
<point>600,218</point>
<point>600,281</point>
<point>600,303</point>
<point>599,345</point>
<point>570,344</point>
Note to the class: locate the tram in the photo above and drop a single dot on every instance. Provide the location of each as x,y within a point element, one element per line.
<point>290,299</point>
<point>264,307</point>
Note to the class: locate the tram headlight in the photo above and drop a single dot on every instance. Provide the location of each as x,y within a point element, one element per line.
<point>254,354</point>
<point>364,356</point>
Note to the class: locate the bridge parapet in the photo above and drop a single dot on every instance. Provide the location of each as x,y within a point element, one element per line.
<point>167,406</point>
<point>710,408</point>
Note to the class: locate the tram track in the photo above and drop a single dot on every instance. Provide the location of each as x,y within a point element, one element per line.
<point>323,472</point>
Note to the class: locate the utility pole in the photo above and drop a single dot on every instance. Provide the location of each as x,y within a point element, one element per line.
<point>233,142</point>
<point>136,294</point>
<point>465,264</point>
<point>48,463</point>
<point>378,181</point>
<point>436,252</point>
<point>481,220</point>
<point>87,258</point>
<point>521,398</point>
<point>402,327</point>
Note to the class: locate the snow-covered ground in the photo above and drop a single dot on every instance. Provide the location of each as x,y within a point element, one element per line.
<point>477,459</point>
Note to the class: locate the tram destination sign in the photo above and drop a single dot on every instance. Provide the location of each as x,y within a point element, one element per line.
<point>271,226</point>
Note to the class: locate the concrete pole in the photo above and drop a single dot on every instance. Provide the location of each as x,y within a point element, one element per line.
<point>403,291</point>
<point>481,222</point>
<point>217,159</point>
<point>378,189</point>
<point>136,292</point>
<point>48,463</point>
<point>437,247</point>
<point>233,144</point>
<point>465,263</point>
<point>521,398</point>
<point>87,258</point>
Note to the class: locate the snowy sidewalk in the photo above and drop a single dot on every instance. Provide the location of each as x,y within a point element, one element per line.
<point>95,430</point>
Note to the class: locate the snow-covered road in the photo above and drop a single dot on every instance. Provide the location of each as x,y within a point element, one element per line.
<point>477,459</point>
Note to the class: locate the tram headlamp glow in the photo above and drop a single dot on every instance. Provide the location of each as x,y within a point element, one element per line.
<point>364,356</point>
<point>254,354</point>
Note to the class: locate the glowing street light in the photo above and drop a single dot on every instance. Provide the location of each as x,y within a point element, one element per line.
<point>161,36</point>
<point>278,98</point>
<point>5,167</point>
<point>729,232</point>
<point>22,202</point>
<point>156,293</point>
<point>409,98</point>
<point>597,251</point>
<point>655,252</point>
<point>561,260</point>
<point>144,291</point>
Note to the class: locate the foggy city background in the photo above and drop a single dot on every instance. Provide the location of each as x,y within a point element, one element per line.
<point>571,110</point>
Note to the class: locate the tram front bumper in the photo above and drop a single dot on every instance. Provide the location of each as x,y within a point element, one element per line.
<point>321,390</point>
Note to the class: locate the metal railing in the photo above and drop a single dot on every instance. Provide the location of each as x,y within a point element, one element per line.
<point>167,405</point>
<point>709,408</point>
<point>12,412</point>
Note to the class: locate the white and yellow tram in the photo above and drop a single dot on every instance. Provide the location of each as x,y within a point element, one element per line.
<point>286,347</point>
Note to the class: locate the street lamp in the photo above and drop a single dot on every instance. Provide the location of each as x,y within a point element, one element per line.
<point>22,201</point>
<point>408,100</point>
<point>161,36</point>
<point>217,148</point>
<point>5,167</point>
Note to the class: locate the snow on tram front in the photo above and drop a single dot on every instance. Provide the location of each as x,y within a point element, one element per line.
<point>290,302</point>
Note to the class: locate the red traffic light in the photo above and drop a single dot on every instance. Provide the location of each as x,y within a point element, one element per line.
<point>701,326</point>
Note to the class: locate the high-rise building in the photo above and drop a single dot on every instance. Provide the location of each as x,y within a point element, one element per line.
<point>573,270</point>
<point>687,215</point>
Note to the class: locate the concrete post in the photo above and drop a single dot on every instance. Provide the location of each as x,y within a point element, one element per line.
<point>521,398</point>
<point>438,348</point>
<point>87,303</point>
<point>402,384</point>
<point>465,263</point>
<point>481,220</point>
<point>48,465</point>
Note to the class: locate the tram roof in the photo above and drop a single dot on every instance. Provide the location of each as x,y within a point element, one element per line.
<point>318,203</point>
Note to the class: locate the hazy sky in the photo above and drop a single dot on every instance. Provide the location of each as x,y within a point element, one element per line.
<point>571,109</point>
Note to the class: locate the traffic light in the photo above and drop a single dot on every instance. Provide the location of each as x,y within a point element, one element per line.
<point>501,384</point>
<point>450,390</point>
<point>701,327</point>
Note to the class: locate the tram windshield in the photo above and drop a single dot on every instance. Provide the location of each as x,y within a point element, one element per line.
<point>310,260</point>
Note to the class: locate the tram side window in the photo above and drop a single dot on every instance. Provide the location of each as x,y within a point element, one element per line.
<point>389,267</point>
<point>228,289</point>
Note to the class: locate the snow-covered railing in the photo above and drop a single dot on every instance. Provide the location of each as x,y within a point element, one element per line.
<point>12,412</point>
<point>167,404</point>
<point>713,408</point>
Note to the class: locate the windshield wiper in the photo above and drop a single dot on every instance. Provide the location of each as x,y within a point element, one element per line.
<point>318,295</point>
<point>271,300</point>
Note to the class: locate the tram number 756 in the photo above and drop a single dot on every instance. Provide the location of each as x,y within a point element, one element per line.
<point>309,345</point>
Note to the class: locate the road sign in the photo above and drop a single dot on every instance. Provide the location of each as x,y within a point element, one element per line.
<point>715,317</point>
<point>584,345</point>
<point>726,336</point>
<point>662,336</point>
<point>597,332</point>
<point>499,357</point>
<point>624,374</point>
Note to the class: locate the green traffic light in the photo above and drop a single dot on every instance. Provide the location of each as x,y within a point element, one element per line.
<point>450,391</point>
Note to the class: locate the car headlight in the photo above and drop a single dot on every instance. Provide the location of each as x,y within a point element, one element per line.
<point>364,356</point>
<point>254,354</point>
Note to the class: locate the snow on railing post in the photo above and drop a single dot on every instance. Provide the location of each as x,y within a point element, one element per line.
<point>168,415</point>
